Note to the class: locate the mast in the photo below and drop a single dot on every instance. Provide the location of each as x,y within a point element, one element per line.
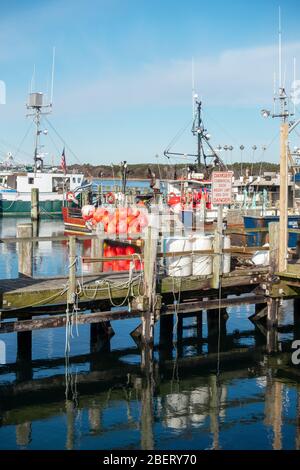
<point>37,110</point>
<point>285,129</point>
<point>199,135</point>
<point>37,157</point>
<point>202,158</point>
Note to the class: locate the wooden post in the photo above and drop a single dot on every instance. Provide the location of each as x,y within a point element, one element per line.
<point>214,411</point>
<point>217,246</point>
<point>100,337</point>
<point>85,197</point>
<point>147,356</point>
<point>283,201</point>
<point>272,323</point>
<point>199,321</point>
<point>97,252</point>
<point>274,246</point>
<point>199,325</point>
<point>23,434</point>
<point>273,409</point>
<point>179,339</point>
<point>24,339</point>
<point>70,414</point>
<point>146,424</point>
<point>95,419</point>
<point>272,315</point>
<point>25,250</point>
<point>273,304</point>
<point>297,318</point>
<point>24,355</point>
<point>165,336</point>
<point>297,443</point>
<point>35,213</point>
<point>216,318</point>
<point>72,270</point>
<point>150,251</point>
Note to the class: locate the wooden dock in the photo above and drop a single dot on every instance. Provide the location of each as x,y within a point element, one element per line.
<point>28,303</point>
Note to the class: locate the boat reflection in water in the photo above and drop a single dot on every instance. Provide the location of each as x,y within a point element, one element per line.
<point>205,390</point>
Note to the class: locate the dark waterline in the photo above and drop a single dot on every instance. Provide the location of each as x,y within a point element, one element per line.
<point>254,403</point>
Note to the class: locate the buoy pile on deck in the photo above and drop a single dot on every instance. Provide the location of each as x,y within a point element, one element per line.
<point>118,221</point>
<point>190,198</point>
<point>110,251</point>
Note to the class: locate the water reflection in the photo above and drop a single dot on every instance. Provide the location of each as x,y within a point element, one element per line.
<point>201,409</point>
<point>205,388</point>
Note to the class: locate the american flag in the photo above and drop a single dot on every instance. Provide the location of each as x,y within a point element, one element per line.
<point>63,161</point>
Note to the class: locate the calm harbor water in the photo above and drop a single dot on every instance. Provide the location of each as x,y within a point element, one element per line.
<point>100,401</point>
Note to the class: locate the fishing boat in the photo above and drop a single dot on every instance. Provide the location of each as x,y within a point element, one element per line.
<point>191,191</point>
<point>16,182</point>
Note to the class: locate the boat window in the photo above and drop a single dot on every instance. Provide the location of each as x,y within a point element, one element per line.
<point>30,180</point>
<point>78,180</point>
<point>74,179</point>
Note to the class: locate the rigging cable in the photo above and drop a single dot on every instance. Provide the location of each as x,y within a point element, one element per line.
<point>178,135</point>
<point>24,138</point>
<point>63,141</point>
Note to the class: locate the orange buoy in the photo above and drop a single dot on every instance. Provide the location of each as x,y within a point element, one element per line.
<point>110,198</point>
<point>87,212</point>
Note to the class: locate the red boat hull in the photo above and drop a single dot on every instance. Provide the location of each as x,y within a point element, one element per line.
<point>73,221</point>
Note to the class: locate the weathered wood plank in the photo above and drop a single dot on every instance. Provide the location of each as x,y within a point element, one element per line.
<point>38,292</point>
<point>58,321</point>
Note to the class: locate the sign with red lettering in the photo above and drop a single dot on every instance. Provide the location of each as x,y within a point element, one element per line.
<point>222,187</point>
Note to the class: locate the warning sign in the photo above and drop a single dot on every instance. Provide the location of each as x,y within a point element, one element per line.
<point>222,187</point>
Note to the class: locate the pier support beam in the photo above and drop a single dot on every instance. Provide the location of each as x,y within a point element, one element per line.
<point>272,313</point>
<point>199,320</point>
<point>218,248</point>
<point>273,409</point>
<point>272,323</point>
<point>97,252</point>
<point>297,440</point>
<point>70,414</point>
<point>166,337</point>
<point>24,356</point>
<point>297,318</point>
<point>72,271</point>
<point>100,337</point>
<point>283,201</point>
<point>179,343</point>
<point>150,251</point>
<point>214,411</point>
<point>147,440</point>
<point>95,420</point>
<point>216,320</point>
<point>25,250</point>
<point>23,434</point>
<point>35,211</point>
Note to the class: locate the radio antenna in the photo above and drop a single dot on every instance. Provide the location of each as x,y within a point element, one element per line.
<point>294,86</point>
<point>279,49</point>
<point>193,88</point>
<point>52,76</point>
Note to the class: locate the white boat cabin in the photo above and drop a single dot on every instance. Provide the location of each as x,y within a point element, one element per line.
<point>45,182</point>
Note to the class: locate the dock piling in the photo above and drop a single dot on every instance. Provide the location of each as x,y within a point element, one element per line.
<point>97,252</point>
<point>274,238</point>
<point>24,355</point>
<point>166,336</point>
<point>150,252</point>
<point>217,247</point>
<point>25,250</point>
<point>72,270</point>
<point>35,212</point>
